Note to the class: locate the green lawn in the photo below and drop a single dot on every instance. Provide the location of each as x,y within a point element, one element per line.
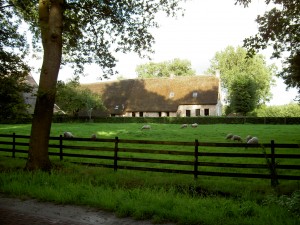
<point>159,196</point>
<point>210,133</point>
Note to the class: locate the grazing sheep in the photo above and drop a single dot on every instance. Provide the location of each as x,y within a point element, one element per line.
<point>194,125</point>
<point>184,125</point>
<point>236,138</point>
<point>146,127</point>
<point>68,135</point>
<point>248,138</point>
<point>253,140</point>
<point>93,137</point>
<point>229,136</point>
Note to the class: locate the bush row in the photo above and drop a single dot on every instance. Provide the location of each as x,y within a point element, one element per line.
<point>182,120</point>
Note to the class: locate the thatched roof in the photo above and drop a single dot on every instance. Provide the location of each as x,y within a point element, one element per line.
<point>30,80</point>
<point>157,94</point>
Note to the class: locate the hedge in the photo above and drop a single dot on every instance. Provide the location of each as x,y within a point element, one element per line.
<point>182,120</point>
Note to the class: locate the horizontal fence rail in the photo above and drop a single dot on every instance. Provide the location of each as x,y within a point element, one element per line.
<point>195,158</point>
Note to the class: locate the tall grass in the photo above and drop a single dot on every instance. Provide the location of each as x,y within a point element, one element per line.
<point>157,196</point>
<point>142,197</point>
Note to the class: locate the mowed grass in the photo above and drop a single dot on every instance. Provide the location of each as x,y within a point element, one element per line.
<point>168,132</point>
<point>161,197</point>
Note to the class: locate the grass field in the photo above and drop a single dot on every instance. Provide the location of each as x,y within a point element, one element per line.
<point>172,132</point>
<point>158,196</point>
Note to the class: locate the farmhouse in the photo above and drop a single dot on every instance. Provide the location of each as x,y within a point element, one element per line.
<point>161,97</point>
<point>30,98</point>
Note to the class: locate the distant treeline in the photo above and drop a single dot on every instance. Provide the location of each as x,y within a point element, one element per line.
<point>290,110</point>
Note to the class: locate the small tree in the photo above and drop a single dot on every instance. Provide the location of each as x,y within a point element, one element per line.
<point>72,98</point>
<point>12,105</point>
<point>91,101</point>
<point>243,96</point>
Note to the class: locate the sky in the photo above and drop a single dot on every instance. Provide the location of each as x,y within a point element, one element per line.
<point>207,27</point>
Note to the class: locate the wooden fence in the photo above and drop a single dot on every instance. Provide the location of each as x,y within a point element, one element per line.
<point>195,158</point>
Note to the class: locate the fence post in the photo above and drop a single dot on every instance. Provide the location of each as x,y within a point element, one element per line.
<point>196,159</point>
<point>60,147</point>
<point>274,181</point>
<point>116,154</point>
<point>14,146</point>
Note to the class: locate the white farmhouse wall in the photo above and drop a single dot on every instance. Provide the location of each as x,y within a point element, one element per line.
<point>145,114</point>
<point>214,110</point>
<point>183,108</point>
<point>219,108</point>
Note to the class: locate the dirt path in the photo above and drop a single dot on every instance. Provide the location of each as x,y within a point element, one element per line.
<point>24,212</point>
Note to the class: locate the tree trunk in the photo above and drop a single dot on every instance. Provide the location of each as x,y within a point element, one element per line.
<point>51,20</point>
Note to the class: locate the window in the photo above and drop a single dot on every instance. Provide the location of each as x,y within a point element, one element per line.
<point>171,95</point>
<point>141,114</point>
<point>206,112</point>
<point>159,114</point>
<point>188,113</point>
<point>195,94</point>
<point>168,114</point>
<point>197,112</point>
<point>133,114</point>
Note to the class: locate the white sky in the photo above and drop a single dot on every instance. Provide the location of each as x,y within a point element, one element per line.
<point>207,27</point>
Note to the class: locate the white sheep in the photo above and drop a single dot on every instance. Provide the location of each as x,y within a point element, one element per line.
<point>248,138</point>
<point>236,138</point>
<point>68,135</point>
<point>194,125</point>
<point>253,140</point>
<point>146,127</point>
<point>228,136</point>
<point>184,125</point>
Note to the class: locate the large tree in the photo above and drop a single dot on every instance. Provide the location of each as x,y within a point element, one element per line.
<point>80,32</point>
<point>13,69</point>
<point>279,28</point>
<point>236,69</point>
<point>175,67</point>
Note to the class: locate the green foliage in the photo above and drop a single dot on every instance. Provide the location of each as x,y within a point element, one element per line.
<point>175,67</point>
<point>291,72</point>
<point>289,110</point>
<point>13,70</point>
<point>72,99</point>
<point>94,30</point>
<point>236,69</point>
<point>243,96</point>
<point>279,29</point>
<point>12,105</point>
<point>291,203</point>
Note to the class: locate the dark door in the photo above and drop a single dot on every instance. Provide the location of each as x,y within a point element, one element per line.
<point>188,113</point>
<point>206,112</point>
